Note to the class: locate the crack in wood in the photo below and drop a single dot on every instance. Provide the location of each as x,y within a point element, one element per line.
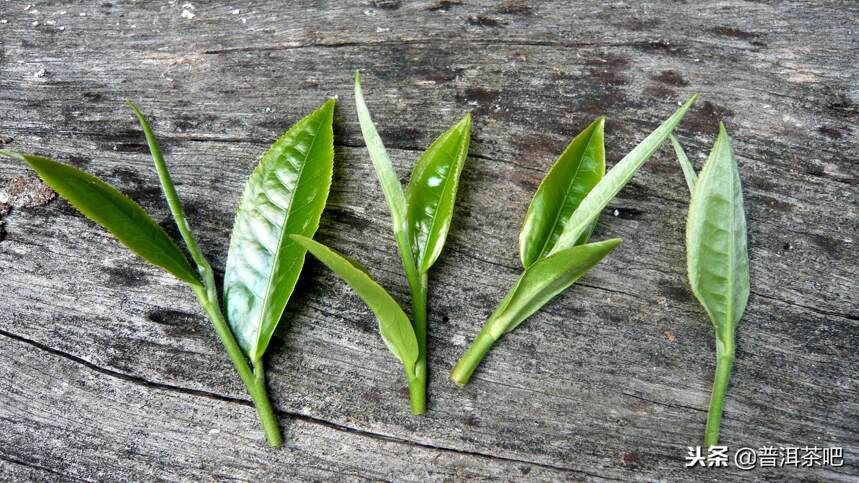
<point>303,417</point>
<point>40,468</point>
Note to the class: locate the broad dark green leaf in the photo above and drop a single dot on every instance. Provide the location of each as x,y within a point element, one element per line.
<point>106,206</point>
<point>285,195</point>
<point>545,279</point>
<point>685,164</point>
<point>615,179</point>
<point>431,192</point>
<point>716,249</point>
<point>394,324</point>
<point>574,174</point>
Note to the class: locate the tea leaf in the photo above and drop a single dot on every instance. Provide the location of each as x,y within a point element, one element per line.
<point>431,192</point>
<point>105,205</point>
<point>717,254</point>
<point>391,186</point>
<point>539,284</point>
<point>548,277</point>
<point>170,192</point>
<point>574,174</point>
<point>615,179</point>
<point>394,324</point>
<point>688,170</point>
<point>718,262</point>
<point>285,195</point>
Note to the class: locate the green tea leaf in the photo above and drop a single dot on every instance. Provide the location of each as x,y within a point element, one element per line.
<point>716,249</point>
<point>688,170</point>
<point>600,196</point>
<point>391,186</point>
<point>170,192</point>
<point>285,195</point>
<point>431,192</point>
<point>547,278</point>
<point>115,212</point>
<point>574,174</point>
<point>394,324</point>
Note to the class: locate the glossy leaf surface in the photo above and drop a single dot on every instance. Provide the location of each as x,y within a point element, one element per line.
<point>574,174</point>
<point>391,186</point>
<point>685,164</point>
<point>431,193</point>
<point>600,196</point>
<point>285,195</point>
<point>545,279</point>
<point>122,217</point>
<point>394,324</point>
<point>716,248</point>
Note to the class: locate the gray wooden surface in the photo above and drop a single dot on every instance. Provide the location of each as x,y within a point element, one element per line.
<point>111,372</point>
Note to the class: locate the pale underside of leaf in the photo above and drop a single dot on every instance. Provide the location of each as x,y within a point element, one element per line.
<point>685,164</point>
<point>284,195</point>
<point>431,192</point>
<point>394,325</point>
<point>391,186</point>
<point>574,174</point>
<point>717,252</point>
<point>599,197</point>
<point>122,217</point>
<point>544,280</point>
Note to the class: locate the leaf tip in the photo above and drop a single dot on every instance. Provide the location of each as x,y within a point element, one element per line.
<point>465,122</point>
<point>692,99</point>
<point>357,77</point>
<point>599,125</point>
<point>327,107</point>
<point>14,155</point>
<point>133,107</point>
<point>611,243</point>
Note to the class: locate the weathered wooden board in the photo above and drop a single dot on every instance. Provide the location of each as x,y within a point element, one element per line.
<point>110,370</point>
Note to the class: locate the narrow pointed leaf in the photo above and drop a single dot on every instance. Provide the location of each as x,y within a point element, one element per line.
<point>122,217</point>
<point>716,248</point>
<point>170,191</point>
<point>394,324</point>
<point>431,192</point>
<point>574,174</point>
<point>600,196</point>
<point>285,195</point>
<point>688,170</point>
<point>391,186</point>
<point>545,279</point>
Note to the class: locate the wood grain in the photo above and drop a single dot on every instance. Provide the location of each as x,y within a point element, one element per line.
<point>112,372</point>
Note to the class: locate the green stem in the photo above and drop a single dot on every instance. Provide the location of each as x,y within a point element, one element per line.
<point>264,409</point>
<point>418,385</point>
<point>475,353</point>
<point>724,364</point>
<point>209,300</point>
<point>418,285</point>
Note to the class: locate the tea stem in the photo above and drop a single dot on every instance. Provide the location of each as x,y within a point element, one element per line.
<point>472,357</point>
<point>264,409</point>
<point>724,364</point>
<point>418,386</point>
<point>208,299</point>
